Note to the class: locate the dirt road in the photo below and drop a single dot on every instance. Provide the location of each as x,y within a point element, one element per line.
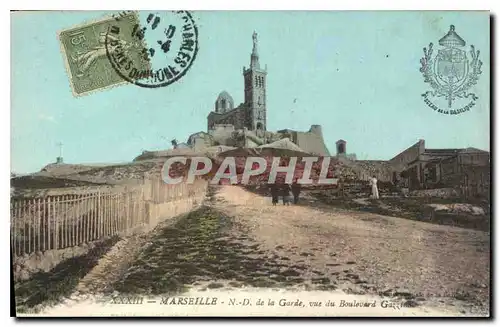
<point>238,243</point>
<point>370,253</point>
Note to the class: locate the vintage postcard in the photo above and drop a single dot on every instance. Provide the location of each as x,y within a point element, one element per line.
<point>251,163</point>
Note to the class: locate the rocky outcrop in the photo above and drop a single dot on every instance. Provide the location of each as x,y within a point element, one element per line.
<point>444,193</point>
<point>458,208</point>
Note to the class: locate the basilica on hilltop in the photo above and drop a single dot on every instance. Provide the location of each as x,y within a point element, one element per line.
<point>245,125</point>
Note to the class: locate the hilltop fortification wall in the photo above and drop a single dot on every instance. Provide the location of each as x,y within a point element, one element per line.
<point>312,141</point>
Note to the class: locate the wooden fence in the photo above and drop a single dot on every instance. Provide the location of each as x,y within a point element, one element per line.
<point>162,193</point>
<point>61,221</point>
<point>58,222</point>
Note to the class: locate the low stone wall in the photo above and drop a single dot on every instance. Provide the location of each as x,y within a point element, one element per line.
<point>157,213</point>
<point>444,193</point>
<point>27,265</point>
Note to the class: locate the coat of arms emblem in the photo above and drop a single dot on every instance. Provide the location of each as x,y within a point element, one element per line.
<point>451,73</point>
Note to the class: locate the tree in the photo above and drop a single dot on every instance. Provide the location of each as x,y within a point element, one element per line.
<point>174,143</point>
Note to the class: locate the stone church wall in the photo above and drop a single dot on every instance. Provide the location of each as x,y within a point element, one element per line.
<point>312,142</point>
<point>223,135</point>
<point>236,117</point>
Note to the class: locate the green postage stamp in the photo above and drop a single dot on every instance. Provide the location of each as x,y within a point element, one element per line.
<point>86,57</point>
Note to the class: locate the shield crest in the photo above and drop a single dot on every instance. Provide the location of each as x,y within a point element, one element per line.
<point>451,66</point>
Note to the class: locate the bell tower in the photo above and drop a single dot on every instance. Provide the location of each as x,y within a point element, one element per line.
<point>255,90</point>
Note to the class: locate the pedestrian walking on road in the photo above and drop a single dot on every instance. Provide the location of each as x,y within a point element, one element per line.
<point>296,191</point>
<point>373,183</point>
<point>274,193</point>
<point>287,198</point>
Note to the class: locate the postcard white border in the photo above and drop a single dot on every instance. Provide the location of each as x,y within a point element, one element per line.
<point>197,5</point>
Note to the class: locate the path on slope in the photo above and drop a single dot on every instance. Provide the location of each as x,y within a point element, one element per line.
<point>384,255</point>
<point>239,243</point>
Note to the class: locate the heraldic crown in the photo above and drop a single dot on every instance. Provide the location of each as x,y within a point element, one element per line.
<point>450,73</point>
<point>452,39</point>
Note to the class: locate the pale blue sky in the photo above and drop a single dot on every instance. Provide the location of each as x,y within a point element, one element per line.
<point>355,73</point>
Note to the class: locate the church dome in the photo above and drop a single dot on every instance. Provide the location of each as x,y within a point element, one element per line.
<point>224,102</point>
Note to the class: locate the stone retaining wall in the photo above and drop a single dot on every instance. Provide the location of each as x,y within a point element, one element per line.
<point>27,265</point>
<point>444,193</point>
<point>157,213</point>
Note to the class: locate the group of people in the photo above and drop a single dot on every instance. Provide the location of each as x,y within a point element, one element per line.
<point>285,191</point>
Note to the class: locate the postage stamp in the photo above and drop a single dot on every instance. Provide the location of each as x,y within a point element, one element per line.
<point>451,73</point>
<point>84,52</point>
<point>172,46</point>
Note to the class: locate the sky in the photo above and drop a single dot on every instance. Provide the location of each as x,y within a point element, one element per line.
<point>354,73</point>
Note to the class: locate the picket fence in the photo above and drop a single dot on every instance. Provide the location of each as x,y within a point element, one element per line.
<point>61,221</point>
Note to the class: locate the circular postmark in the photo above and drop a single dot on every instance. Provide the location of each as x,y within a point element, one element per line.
<point>154,51</point>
